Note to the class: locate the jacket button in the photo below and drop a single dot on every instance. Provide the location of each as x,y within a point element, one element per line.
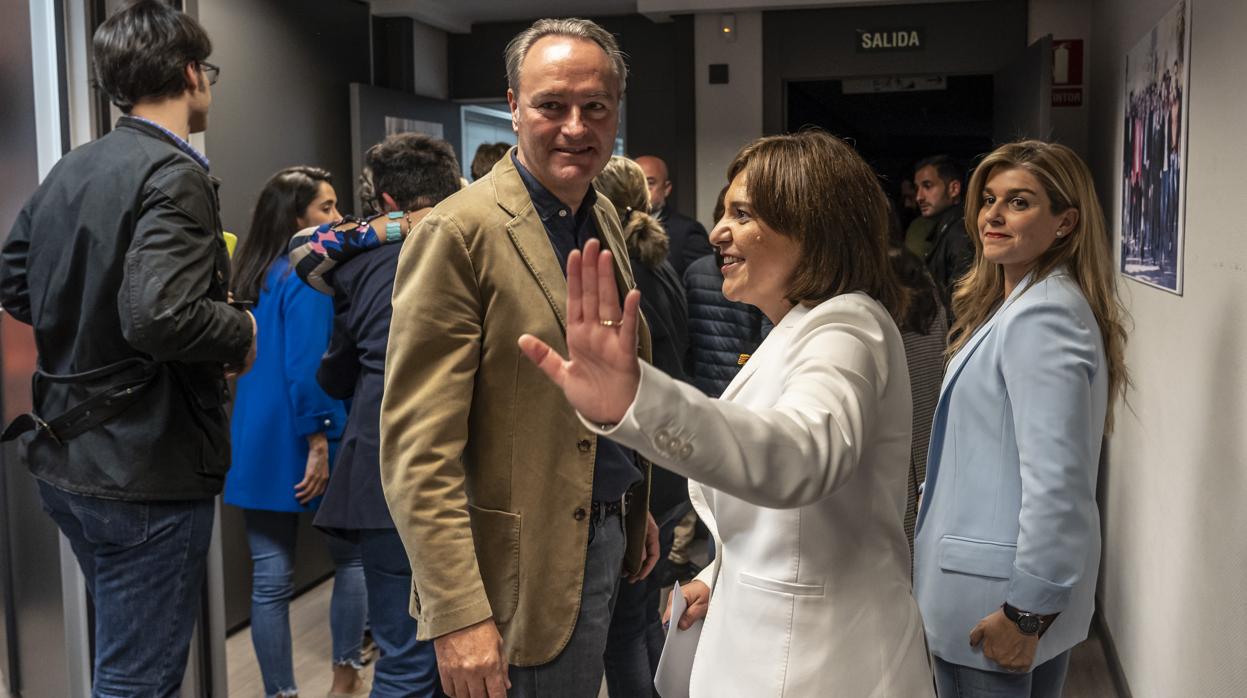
<point>580,514</point>
<point>584,445</point>
<point>328,423</point>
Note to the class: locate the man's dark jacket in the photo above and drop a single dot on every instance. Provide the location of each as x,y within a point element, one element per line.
<point>719,331</point>
<point>118,256</point>
<point>354,368</point>
<point>688,240</point>
<point>951,254</point>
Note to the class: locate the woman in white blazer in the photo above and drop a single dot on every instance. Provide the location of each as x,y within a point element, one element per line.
<point>1008,541</point>
<point>799,470</point>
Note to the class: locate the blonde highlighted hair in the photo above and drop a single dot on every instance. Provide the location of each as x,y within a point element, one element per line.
<point>622,181</point>
<point>1085,252</point>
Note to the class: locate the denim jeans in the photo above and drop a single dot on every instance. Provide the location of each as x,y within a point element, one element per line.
<point>1043,681</point>
<point>577,671</point>
<point>144,569</point>
<point>627,656</point>
<point>636,638</point>
<point>407,667</point>
<point>272,536</point>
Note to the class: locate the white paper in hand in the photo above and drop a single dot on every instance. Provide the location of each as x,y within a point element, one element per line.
<point>676,665</point>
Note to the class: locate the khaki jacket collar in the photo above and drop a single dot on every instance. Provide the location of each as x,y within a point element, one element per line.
<point>529,236</point>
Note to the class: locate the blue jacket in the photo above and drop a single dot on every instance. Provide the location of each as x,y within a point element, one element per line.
<point>719,330</point>
<point>278,402</point>
<point>1009,511</point>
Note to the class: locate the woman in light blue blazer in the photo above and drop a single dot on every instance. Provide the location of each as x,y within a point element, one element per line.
<point>1008,540</point>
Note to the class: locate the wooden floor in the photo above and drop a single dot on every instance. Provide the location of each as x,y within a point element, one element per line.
<point>313,650</point>
<point>309,619</point>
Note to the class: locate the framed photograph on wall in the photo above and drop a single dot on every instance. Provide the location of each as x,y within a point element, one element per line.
<point>1153,197</point>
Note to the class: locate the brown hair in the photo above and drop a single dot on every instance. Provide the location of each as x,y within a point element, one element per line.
<point>1085,252</point>
<point>487,155</point>
<point>814,188</point>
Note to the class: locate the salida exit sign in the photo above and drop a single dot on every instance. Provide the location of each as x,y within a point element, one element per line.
<point>901,39</point>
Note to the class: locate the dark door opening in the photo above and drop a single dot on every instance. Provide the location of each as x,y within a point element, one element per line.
<point>893,124</point>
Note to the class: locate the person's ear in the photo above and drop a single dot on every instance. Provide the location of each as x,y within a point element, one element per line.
<point>192,75</point>
<point>1069,220</point>
<point>954,189</point>
<point>388,203</point>
<point>514,104</point>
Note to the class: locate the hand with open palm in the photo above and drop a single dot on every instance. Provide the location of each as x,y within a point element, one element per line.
<point>601,373</point>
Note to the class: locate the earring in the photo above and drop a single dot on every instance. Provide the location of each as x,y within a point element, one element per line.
<point>1060,232</point>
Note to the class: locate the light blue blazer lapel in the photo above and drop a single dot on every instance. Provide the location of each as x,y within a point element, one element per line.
<point>955,366</point>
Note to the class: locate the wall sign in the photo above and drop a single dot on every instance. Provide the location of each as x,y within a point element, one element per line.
<point>1067,73</point>
<point>879,40</point>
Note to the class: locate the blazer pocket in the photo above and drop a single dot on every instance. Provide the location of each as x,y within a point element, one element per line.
<point>790,588</point>
<point>978,557</point>
<point>497,537</point>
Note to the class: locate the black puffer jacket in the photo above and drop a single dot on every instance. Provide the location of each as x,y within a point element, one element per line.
<point>719,331</point>
<point>118,259</point>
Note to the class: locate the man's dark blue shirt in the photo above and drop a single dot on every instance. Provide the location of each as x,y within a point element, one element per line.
<point>615,469</point>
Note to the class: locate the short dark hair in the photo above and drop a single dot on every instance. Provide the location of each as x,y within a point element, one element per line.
<point>946,167</point>
<point>487,155</point>
<point>814,188</point>
<point>416,170</point>
<point>141,51</point>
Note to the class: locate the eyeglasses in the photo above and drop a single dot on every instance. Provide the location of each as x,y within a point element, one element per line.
<point>213,72</point>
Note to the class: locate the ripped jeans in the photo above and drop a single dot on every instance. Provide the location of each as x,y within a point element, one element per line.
<point>272,536</point>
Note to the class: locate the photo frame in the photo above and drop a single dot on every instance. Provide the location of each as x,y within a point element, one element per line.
<point>1154,153</point>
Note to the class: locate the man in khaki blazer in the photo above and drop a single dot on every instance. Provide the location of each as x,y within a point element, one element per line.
<point>493,483</point>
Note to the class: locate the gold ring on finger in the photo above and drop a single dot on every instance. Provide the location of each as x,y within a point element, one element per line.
<point>609,323</point>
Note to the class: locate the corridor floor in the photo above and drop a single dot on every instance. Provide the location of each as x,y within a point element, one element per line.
<point>1089,675</point>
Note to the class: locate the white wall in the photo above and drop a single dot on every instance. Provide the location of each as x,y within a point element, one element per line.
<point>432,71</point>
<point>1175,518</point>
<point>1066,19</point>
<point>728,116</point>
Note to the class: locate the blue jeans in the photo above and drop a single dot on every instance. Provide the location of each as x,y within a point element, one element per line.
<point>144,569</point>
<point>272,536</point>
<point>1043,681</point>
<point>577,671</point>
<point>407,667</point>
<point>636,638</point>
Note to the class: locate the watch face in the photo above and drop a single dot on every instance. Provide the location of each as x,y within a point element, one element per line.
<point>1028,623</point>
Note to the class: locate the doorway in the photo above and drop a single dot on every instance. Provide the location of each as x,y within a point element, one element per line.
<point>896,121</point>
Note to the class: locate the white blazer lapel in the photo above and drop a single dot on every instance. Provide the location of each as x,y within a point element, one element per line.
<point>773,342</point>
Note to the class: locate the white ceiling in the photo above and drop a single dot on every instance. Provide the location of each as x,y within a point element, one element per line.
<point>460,15</point>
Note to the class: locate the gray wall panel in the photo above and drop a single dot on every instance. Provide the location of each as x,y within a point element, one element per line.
<point>283,96</point>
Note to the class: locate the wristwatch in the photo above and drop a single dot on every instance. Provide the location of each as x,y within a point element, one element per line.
<point>1028,623</point>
